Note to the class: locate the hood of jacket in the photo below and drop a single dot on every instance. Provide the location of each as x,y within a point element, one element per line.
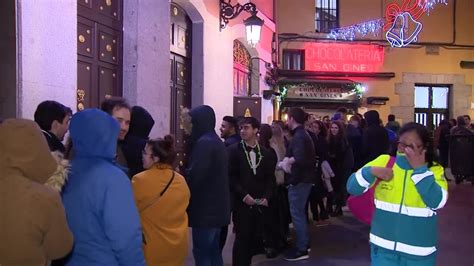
<point>141,122</point>
<point>203,119</point>
<point>372,118</point>
<point>24,149</point>
<point>94,133</point>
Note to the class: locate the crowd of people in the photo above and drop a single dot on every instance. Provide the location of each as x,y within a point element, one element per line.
<point>110,195</point>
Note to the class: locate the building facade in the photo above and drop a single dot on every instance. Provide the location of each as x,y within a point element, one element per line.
<point>425,81</point>
<point>159,54</point>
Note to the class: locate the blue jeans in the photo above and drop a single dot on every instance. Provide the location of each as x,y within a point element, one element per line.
<point>384,257</point>
<point>298,196</point>
<point>206,248</point>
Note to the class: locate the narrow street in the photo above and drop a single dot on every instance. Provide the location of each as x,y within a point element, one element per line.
<point>345,240</point>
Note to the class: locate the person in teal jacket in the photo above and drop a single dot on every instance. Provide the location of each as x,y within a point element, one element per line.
<point>407,198</point>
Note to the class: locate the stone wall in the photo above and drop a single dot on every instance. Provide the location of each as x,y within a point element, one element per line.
<point>146,71</point>
<point>47,53</point>
<point>460,93</point>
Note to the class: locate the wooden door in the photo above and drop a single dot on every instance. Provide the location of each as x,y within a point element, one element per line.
<point>99,51</point>
<point>180,82</point>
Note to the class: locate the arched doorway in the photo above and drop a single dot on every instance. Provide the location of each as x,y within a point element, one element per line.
<point>244,104</point>
<point>180,82</point>
<point>242,69</point>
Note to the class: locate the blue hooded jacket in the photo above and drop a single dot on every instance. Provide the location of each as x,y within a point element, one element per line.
<point>98,197</point>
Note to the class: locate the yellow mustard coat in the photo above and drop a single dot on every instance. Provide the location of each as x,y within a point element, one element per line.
<point>165,222</point>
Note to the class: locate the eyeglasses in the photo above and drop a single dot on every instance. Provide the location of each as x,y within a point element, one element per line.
<point>404,145</point>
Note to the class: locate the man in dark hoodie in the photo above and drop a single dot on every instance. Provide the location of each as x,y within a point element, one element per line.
<point>141,124</point>
<point>208,181</point>
<point>375,140</point>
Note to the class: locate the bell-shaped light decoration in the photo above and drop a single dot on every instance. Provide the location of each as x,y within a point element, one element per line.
<point>253,27</point>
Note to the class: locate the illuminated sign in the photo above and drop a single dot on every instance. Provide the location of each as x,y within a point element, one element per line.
<point>329,92</point>
<point>404,30</point>
<point>336,57</point>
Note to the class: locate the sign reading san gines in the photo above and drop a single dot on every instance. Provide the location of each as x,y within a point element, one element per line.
<point>337,57</point>
<point>320,91</point>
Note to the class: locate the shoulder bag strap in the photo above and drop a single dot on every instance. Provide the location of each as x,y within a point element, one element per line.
<point>155,199</point>
<point>390,164</point>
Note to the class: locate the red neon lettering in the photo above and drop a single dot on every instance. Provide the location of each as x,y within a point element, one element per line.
<point>336,57</point>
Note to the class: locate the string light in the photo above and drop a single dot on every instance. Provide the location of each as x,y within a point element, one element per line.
<point>396,34</point>
<point>361,29</point>
<point>427,5</point>
<point>404,30</point>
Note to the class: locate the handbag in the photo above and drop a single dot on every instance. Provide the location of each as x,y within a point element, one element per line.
<point>363,206</point>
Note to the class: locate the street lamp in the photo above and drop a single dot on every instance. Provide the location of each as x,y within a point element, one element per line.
<point>253,24</point>
<point>253,27</point>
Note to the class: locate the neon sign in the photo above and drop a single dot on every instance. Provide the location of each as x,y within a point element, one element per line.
<point>404,30</point>
<point>337,57</point>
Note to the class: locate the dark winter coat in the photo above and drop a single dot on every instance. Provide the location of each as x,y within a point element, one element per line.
<point>232,140</point>
<point>53,142</point>
<point>207,172</point>
<point>141,123</point>
<point>393,126</point>
<point>376,140</point>
<point>301,148</point>
<point>356,138</point>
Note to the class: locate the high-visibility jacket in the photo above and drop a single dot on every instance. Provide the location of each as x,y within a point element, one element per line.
<point>405,218</point>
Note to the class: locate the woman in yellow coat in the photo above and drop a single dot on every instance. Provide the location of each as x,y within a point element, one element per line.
<point>162,197</point>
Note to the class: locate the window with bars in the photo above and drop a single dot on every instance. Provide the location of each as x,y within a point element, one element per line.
<point>293,59</point>
<point>327,15</point>
<point>431,105</point>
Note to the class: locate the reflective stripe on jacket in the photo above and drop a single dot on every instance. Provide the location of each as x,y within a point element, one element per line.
<point>405,219</point>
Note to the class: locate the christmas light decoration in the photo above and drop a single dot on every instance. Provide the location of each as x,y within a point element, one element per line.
<point>358,89</point>
<point>404,30</point>
<point>427,5</point>
<point>394,9</point>
<point>361,29</point>
<point>400,23</point>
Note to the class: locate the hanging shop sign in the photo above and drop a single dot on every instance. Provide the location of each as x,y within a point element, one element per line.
<point>248,106</point>
<point>323,92</point>
<point>337,57</point>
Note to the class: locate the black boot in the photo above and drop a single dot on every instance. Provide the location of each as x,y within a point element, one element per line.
<point>337,212</point>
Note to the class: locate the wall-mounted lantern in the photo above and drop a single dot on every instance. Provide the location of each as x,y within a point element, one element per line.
<point>253,24</point>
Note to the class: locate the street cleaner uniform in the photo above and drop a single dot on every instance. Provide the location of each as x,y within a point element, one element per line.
<point>404,225</point>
